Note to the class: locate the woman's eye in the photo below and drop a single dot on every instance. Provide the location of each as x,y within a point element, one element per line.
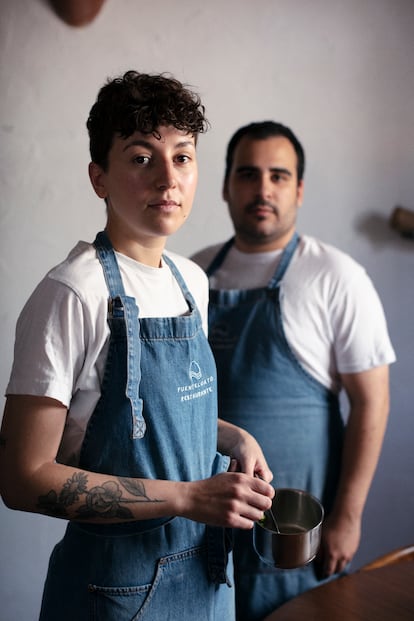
<point>142,159</point>
<point>183,159</point>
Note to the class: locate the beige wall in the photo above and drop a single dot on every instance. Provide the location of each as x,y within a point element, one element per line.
<point>339,72</point>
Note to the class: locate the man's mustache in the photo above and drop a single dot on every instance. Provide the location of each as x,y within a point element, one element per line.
<point>261,202</point>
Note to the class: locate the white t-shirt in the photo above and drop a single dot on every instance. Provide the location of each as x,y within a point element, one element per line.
<point>332,316</point>
<point>62,334</point>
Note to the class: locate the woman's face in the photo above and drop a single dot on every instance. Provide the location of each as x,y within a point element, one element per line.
<point>149,186</point>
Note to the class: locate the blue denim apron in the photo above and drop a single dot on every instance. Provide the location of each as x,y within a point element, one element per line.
<point>156,418</point>
<point>296,420</point>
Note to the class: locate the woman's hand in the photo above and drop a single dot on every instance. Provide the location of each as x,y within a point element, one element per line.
<point>229,499</point>
<point>244,450</point>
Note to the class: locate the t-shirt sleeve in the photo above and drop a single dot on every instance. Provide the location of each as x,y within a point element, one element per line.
<point>49,343</point>
<point>358,321</point>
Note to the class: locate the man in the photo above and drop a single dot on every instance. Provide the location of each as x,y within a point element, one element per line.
<point>111,413</point>
<point>292,321</point>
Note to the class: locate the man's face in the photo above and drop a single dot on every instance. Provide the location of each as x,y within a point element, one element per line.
<point>149,185</point>
<point>263,193</point>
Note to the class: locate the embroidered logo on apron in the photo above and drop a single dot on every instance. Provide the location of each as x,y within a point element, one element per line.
<point>201,387</point>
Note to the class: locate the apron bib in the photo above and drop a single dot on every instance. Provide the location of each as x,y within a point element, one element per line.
<point>296,420</point>
<point>156,418</point>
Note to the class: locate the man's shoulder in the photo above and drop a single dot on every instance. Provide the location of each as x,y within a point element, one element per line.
<point>324,256</point>
<point>320,265</point>
<point>204,256</point>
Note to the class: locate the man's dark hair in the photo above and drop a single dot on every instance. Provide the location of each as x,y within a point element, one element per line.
<point>141,102</point>
<point>261,131</point>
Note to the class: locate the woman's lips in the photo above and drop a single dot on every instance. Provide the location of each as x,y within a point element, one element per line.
<point>164,205</point>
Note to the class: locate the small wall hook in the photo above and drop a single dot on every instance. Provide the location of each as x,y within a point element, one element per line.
<point>77,12</point>
<point>402,220</point>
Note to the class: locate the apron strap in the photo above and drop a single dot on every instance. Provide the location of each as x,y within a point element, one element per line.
<point>121,307</point>
<point>284,262</point>
<point>280,270</point>
<point>106,256</point>
<point>177,275</point>
<point>219,258</point>
<point>219,545</point>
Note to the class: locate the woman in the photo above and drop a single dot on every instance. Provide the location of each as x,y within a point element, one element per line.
<point>111,416</point>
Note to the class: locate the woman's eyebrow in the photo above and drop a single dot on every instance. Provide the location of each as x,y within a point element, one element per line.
<point>140,142</point>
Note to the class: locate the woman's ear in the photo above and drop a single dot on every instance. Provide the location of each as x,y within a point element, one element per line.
<point>97,177</point>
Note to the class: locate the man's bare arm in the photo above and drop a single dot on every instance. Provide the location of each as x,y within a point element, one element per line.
<point>368,395</point>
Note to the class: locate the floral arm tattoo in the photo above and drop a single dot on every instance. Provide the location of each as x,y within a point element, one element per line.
<point>105,501</point>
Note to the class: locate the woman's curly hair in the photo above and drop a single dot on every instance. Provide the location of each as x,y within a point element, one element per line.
<point>141,102</point>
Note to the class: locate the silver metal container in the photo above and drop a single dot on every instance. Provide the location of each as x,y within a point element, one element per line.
<point>299,517</point>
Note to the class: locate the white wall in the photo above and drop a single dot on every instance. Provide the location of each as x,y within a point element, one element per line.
<point>339,72</point>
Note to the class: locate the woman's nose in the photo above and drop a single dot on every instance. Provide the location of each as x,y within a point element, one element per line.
<point>165,175</point>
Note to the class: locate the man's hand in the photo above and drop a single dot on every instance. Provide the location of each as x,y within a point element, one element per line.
<point>339,542</point>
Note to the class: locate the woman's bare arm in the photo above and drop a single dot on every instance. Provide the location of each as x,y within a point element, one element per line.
<point>32,480</point>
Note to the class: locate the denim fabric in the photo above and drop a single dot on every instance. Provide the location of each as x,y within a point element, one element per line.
<point>156,418</point>
<point>296,420</point>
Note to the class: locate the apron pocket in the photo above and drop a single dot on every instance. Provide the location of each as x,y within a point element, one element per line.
<point>180,581</point>
<point>117,603</point>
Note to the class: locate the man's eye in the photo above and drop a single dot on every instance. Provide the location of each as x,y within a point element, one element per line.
<point>280,178</point>
<point>246,174</point>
